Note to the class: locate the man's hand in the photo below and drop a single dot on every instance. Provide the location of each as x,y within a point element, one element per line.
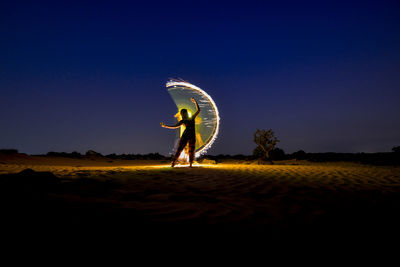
<point>197,107</point>
<point>162,124</point>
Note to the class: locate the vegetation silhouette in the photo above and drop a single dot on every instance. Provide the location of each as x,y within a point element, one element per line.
<point>8,151</point>
<point>266,142</point>
<point>276,154</point>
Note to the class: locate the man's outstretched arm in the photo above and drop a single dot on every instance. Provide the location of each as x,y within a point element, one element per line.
<point>197,107</point>
<point>171,126</point>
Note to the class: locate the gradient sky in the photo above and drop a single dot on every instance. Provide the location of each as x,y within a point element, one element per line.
<point>324,75</point>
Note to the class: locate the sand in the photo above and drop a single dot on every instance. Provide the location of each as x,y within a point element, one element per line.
<point>288,200</point>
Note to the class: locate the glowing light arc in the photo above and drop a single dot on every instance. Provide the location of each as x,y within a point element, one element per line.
<point>204,149</point>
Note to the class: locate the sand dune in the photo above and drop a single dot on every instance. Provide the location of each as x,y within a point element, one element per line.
<point>278,200</point>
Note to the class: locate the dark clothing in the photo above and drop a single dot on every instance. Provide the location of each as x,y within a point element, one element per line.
<point>188,136</point>
<point>182,143</point>
<point>190,131</point>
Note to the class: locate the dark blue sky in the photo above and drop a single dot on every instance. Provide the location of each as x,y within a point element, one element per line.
<point>324,75</point>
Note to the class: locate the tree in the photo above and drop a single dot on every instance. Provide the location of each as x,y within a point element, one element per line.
<point>396,149</point>
<point>299,155</point>
<point>277,154</point>
<point>266,141</point>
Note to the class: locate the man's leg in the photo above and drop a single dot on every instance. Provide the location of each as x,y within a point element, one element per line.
<point>192,146</point>
<point>181,146</point>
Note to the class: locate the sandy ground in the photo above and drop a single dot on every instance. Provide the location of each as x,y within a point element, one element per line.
<point>286,201</point>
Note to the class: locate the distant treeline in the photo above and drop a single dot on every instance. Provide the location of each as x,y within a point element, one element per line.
<point>91,153</point>
<point>383,158</point>
<point>8,151</point>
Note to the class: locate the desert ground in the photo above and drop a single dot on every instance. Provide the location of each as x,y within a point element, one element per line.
<point>290,200</point>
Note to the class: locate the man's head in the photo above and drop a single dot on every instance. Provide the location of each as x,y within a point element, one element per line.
<point>184,114</point>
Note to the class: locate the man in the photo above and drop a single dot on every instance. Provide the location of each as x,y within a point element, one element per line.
<point>188,136</point>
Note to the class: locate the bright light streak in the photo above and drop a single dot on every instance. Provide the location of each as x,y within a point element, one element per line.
<point>184,165</point>
<point>204,149</point>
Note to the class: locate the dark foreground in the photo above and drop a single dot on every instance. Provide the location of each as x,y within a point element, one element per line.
<point>297,204</point>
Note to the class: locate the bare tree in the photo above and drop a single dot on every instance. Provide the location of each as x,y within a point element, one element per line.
<point>266,141</point>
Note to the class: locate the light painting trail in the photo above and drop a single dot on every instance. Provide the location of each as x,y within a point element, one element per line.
<point>207,122</point>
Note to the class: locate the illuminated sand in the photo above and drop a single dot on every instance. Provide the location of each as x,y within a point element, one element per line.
<point>272,199</point>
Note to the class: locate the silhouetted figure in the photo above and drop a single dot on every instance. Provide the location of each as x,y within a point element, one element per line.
<point>188,136</point>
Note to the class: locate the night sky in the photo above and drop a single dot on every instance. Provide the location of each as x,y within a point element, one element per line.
<point>324,75</point>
